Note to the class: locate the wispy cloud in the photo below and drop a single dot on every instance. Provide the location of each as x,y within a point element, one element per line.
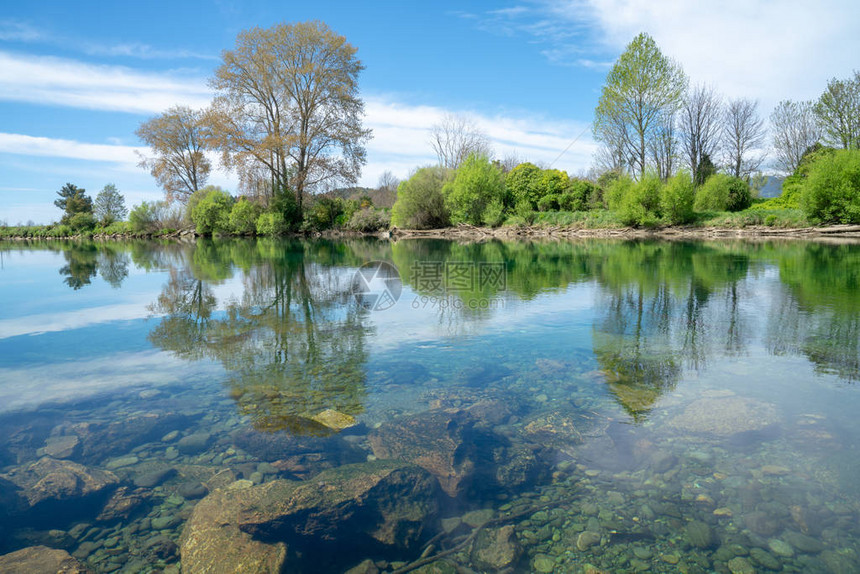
<point>72,83</point>
<point>16,31</point>
<point>143,52</point>
<point>20,144</point>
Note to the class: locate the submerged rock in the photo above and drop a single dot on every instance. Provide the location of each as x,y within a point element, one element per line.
<point>66,446</point>
<point>440,441</point>
<point>699,534</point>
<point>301,456</point>
<point>41,560</point>
<point>49,482</point>
<point>725,416</point>
<point>122,503</point>
<point>102,440</point>
<point>496,549</point>
<point>383,504</point>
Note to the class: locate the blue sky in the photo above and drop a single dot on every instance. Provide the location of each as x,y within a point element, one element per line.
<point>76,79</point>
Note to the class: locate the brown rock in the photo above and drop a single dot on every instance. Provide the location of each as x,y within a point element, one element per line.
<point>40,560</point>
<point>50,480</point>
<point>439,441</point>
<point>384,502</point>
<point>495,549</point>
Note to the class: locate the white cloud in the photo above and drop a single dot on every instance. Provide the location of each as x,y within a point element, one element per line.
<point>20,144</point>
<point>71,83</point>
<point>746,48</point>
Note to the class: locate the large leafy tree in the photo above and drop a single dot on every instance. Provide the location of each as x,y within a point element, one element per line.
<point>110,205</point>
<point>838,112</point>
<point>642,89</point>
<point>73,200</point>
<point>287,103</point>
<point>178,163</point>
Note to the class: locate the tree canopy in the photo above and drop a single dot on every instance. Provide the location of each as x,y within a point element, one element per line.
<point>287,108</point>
<point>178,163</point>
<point>641,89</point>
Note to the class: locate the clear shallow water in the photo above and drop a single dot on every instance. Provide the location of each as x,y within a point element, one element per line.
<point>680,405</point>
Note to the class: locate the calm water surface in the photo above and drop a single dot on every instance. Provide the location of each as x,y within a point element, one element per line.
<point>616,406</point>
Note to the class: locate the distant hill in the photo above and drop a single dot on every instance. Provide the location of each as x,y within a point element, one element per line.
<point>772,188</point>
<point>379,197</point>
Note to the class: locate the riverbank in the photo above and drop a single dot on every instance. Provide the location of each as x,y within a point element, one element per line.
<point>470,232</point>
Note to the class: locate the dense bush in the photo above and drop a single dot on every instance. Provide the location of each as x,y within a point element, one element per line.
<point>243,217</point>
<point>636,203</point>
<point>476,185</point>
<point>368,219</point>
<point>548,203</point>
<point>494,214</point>
<point>144,218</point>
<point>81,221</point>
<point>581,195</point>
<point>831,192</point>
<point>523,184</point>
<point>420,203</point>
<point>271,223</point>
<point>723,192</point>
<point>677,197</point>
<point>212,213</point>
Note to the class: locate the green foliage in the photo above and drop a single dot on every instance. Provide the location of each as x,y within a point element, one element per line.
<point>636,203</point>
<point>523,183</point>
<point>524,212</point>
<point>676,199</point>
<point>271,223</point>
<point>420,203</point>
<point>212,213</point>
<point>73,200</point>
<point>641,89</point>
<point>831,192</point>
<point>243,217</point>
<point>109,205</point>
<point>145,218</point>
<point>581,195</point>
<point>548,203</point>
<point>330,212</point>
<point>705,169</point>
<point>476,185</point>
<point>368,219</point>
<point>81,221</point>
<point>722,192</point>
<point>494,214</point>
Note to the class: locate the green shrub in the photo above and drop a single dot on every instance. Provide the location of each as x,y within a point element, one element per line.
<point>212,213</point>
<point>636,203</point>
<point>677,197</point>
<point>243,217</point>
<point>81,221</point>
<point>494,214</point>
<point>524,211</point>
<point>548,203</point>
<point>420,203</point>
<point>523,184</point>
<point>271,223</point>
<point>477,184</point>
<point>369,219</point>
<point>831,193</point>
<point>581,195</point>
<point>143,218</point>
<point>723,192</point>
<point>326,213</point>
